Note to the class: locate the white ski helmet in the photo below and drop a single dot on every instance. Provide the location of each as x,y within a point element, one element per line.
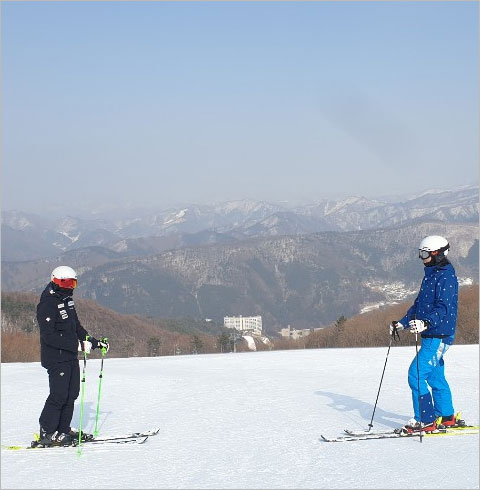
<point>65,277</point>
<point>433,245</point>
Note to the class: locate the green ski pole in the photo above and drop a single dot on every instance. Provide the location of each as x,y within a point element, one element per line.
<point>100,377</point>
<point>79,451</point>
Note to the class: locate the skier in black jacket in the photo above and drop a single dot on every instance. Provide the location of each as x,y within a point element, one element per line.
<point>61,338</point>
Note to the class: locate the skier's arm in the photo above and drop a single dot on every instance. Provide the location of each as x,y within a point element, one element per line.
<point>47,316</point>
<point>82,333</point>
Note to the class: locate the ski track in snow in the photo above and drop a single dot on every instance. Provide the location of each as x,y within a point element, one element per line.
<point>247,420</point>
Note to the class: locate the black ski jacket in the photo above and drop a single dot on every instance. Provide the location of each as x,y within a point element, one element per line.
<point>60,329</point>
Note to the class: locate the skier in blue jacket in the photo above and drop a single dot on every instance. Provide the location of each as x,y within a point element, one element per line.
<point>434,315</point>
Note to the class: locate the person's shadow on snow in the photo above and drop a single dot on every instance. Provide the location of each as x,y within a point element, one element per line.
<point>345,403</point>
<point>89,415</point>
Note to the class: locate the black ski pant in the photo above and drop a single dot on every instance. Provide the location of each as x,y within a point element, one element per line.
<point>64,381</point>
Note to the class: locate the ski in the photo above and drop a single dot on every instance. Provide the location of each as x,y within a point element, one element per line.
<point>119,440</point>
<point>93,442</point>
<point>128,438</point>
<point>390,431</point>
<point>393,435</point>
<point>146,433</point>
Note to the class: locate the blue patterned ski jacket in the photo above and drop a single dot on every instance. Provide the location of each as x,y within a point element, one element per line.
<point>436,303</point>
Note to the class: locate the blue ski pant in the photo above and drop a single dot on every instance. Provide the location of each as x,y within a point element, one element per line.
<point>431,370</point>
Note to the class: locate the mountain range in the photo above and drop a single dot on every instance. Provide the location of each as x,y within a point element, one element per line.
<point>28,237</point>
<point>305,266</point>
<point>302,280</point>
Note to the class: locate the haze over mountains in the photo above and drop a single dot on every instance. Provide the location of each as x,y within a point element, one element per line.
<point>27,236</point>
<point>304,265</point>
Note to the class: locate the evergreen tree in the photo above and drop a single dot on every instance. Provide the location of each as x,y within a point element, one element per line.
<point>154,344</point>
<point>340,322</point>
<point>197,344</point>
<point>340,326</point>
<point>223,342</point>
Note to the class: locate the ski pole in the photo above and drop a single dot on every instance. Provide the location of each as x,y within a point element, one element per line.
<point>395,337</point>
<point>418,385</point>
<point>79,451</point>
<point>100,376</point>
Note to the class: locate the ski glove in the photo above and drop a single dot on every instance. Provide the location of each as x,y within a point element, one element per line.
<point>103,344</point>
<point>417,326</point>
<point>84,346</point>
<point>395,327</point>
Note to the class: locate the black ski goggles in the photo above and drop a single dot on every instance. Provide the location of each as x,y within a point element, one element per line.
<point>424,254</point>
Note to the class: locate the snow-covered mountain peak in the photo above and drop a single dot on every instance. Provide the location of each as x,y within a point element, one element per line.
<point>176,218</point>
<point>357,203</point>
<point>68,224</point>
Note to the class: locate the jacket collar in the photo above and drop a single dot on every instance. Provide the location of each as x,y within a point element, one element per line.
<point>436,268</point>
<point>59,292</point>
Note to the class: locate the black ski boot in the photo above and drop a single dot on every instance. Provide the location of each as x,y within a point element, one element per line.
<point>63,439</point>
<point>74,435</point>
<point>45,438</point>
<point>49,439</point>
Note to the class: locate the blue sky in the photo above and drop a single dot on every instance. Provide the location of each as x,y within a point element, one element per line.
<point>158,103</point>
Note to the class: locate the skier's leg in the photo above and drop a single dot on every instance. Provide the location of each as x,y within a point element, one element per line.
<point>425,413</point>
<point>442,395</point>
<point>73,392</point>
<point>59,380</point>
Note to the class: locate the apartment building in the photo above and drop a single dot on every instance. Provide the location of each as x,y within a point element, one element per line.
<point>251,324</point>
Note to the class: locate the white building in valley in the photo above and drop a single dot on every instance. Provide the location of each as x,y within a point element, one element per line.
<point>251,324</point>
<point>294,334</point>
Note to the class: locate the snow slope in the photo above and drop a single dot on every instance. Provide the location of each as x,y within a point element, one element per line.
<point>246,420</point>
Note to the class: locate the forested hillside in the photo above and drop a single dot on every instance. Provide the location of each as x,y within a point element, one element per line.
<point>302,280</point>
<point>129,335</point>
<point>371,329</point>
<point>132,335</point>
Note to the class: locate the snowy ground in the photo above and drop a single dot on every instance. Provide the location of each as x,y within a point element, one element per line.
<point>246,420</point>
